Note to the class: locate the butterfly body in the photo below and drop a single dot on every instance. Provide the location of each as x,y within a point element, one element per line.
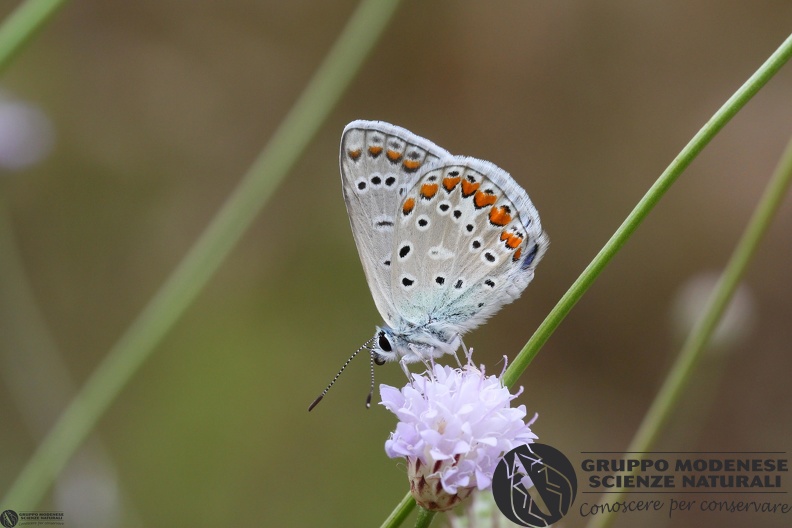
<point>445,241</point>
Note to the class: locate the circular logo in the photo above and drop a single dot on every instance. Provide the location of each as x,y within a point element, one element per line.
<point>534,485</point>
<point>9,518</point>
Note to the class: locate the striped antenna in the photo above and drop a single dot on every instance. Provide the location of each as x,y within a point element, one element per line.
<point>368,401</point>
<point>371,390</point>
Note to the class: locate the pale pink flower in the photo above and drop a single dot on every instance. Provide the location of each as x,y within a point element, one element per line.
<point>454,426</point>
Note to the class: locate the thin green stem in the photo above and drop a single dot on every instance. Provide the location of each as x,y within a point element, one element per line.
<point>681,372</point>
<point>700,334</point>
<point>22,25</point>
<point>644,207</point>
<point>424,518</point>
<point>205,257</point>
<point>400,513</point>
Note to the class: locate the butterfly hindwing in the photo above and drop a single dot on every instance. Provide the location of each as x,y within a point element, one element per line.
<point>380,162</point>
<point>466,242</point>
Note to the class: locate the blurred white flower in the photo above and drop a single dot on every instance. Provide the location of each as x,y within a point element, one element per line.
<point>88,489</point>
<point>26,134</point>
<point>454,426</point>
<point>691,299</point>
<point>480,512</point>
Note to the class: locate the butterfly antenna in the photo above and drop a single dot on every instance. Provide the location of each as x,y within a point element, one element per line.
<point>371,390</point>
<point>366,344</point>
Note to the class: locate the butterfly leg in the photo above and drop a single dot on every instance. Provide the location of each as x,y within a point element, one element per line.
<point>454,349</point>
<point>468,352</point>
<point>459,363</point>
<point>403,365</point>
<point>462,344</point>
<point>429,364</point>
<point>425,354</point>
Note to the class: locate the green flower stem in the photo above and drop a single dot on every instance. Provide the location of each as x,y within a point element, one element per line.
<point>681,372</point>
<point>22,25</point>
<point>733,105</point>
<point>647,203</point>
<point>424,518</point>
<point>207,254</point>
<point>400,513</point>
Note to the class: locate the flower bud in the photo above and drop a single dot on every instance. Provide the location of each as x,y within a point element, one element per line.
<point>426,488</point>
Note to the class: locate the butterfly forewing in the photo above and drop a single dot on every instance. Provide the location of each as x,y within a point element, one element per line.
<point>379,165</point>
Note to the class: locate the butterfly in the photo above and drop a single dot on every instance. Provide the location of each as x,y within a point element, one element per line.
<point>445,241</point>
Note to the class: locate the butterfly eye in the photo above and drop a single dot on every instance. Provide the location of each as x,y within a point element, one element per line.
<point>384,345</point>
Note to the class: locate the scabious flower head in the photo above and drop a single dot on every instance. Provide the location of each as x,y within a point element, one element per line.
<point>454,426</point>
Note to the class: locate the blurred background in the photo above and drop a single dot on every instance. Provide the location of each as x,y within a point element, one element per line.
<point>125,125</point>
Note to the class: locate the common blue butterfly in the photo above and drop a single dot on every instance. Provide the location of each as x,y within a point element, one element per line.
<point>445,241</point>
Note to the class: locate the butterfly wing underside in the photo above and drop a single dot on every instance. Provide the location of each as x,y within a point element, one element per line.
<point>466,242</point>
<point>380,163</point>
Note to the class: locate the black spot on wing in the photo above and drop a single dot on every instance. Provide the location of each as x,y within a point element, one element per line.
<point>530,257</point>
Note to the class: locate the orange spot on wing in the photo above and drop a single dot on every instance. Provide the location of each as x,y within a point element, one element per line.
<point>469,187</point>
<point>517,254</point>
<point>499,216</point>
<point>428,190</point>
<point>411,165</point>
<point>375,151</point>
<point>513,241</point>
<point>484,199</point>
<point>409,205</point>
<point>354,154</point>
<point>450,182</point>
<point>393,155</point>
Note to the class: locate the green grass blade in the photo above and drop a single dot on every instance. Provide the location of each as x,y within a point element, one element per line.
<point>681,372</point>
<point>22,25</point>
<point>207,254</point>
<point>644,207</point>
